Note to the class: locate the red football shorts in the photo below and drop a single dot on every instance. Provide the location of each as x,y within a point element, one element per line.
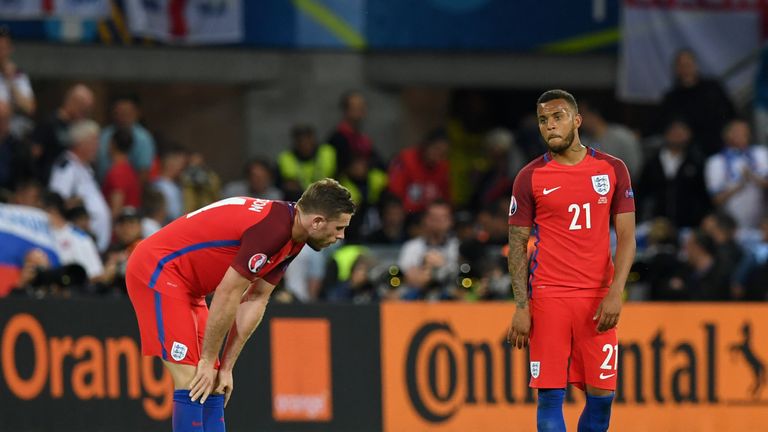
<point>566,348</point>
<point>170,328</point>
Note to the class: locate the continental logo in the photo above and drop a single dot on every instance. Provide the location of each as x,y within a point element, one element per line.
<point>447,367</point>
<point>446,373</point>
<point>88,367</point>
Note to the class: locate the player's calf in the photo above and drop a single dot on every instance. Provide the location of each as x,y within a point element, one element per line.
<point>549,410</point>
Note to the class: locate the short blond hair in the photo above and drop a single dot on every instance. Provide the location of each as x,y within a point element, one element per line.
<point>328,198</point>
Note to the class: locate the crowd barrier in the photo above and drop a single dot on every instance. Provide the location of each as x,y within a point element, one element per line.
<point>76,366</point>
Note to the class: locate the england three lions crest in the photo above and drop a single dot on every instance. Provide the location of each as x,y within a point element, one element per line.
<point>601,183</point>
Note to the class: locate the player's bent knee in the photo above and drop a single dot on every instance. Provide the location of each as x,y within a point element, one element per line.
<point>594,391</point>
<point>181,374</point>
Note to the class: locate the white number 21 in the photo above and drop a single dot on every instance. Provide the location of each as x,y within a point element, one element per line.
<point>576,210</point>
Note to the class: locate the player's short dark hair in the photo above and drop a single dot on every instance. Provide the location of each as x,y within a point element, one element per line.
<point>346,96</point>
<point>555,94</point>
<point>326,197</point>
<point>122,139</point>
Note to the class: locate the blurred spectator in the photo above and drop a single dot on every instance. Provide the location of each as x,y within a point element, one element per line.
<point>73,179</point>
<point>493,223</point>
<point>420,175</point>
<point>305,162</point>
<point>470,119</point>
<point>73,245</point>
<point>200,185</point>
<point>702,102</point>
<point>258,182</point>
<point>721,227</point>
<point>358,288</point>
<point>761,99</point>
<point>701,278</point>
<point>15,88</point>
<point>672,181</point>
<point>348,139</point>
<point>155,212</point>
<point>51,137</point>
<point>392,230</point>
<point>504,160</point>
<point>28,244</point>
<point>79,218</point>
<point>304,277</point>
<point>121,186</point>
<point>612,138</point>
<point>126,115</point>
<point>27,192</point>
<point>127,236</point>
<point>366,184</point>
<point>174,160</point>
<point>430,261</point>
<point>657,264</point>
<point>339,268</point>
<point>16,160</point>
<point>751,278</point>
<point>738,176</point>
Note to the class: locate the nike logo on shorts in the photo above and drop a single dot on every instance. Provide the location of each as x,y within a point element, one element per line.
<point>604,376</point>
<point>549,191</point>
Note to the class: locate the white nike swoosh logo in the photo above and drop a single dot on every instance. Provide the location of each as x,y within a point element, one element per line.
<point>549,191</point>
<point>603,376</point>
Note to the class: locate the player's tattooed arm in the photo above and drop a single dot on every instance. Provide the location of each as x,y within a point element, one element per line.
<point>517,262</point>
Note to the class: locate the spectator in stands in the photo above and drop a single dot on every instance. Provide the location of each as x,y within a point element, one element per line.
<point>359,288</point>
<point>15,88</point>
<point>612,138</point>
<point>420,175</point>
<point>174,160</point>
<point>27,192</point>
<point>304,277</point>
<point>127,236</point>
<point>702,102</point>
<point>721,227</point>
<point>126,115</point>
<point>704,278</point>
<point>504,161</point>
<point>430,261</point>
<point>672,181</point>
<point>258,182</point>
<point>658,263</point>
<point>751,279</point>
<point>392,230</point>
<point>366,184</point>
<point>155,212</point>
<point>348,139</point>
<point>305,162</point>
<point>200,185</point>
<point>16,160</point>
<point>51,137</point>
<point>73,245</point>
<point>73,179</point>
<point>761,99</point>
<point>121,186</point>
<point>738,176</point>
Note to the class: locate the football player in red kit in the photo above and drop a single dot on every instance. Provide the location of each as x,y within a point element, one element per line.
<point>237,248</point>
<point>568,294</point>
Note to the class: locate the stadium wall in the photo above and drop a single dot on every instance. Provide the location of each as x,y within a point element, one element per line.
<point>76,365</point>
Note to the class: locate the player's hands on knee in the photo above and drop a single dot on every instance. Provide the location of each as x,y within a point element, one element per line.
<point>203,381</point>
<point>520,329</point>
<point>607,314</point>
<point>224,384</point>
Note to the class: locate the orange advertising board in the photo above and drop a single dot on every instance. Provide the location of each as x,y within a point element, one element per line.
<point>698,367</point>
<point>301,369</point>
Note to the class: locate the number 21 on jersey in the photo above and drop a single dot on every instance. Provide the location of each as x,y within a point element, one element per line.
<point>578,220</point>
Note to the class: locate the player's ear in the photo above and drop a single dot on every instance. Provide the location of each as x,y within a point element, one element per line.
<point>317,221</point>
<point>577,120</point>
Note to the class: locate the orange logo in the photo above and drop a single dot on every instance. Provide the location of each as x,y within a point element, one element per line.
<point>301,369</point>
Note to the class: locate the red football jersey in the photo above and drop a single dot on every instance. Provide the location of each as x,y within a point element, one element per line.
<point>251,235</point>
<point>569,208</point>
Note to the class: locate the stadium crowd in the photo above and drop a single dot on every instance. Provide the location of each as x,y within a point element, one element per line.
<point>431,222</point>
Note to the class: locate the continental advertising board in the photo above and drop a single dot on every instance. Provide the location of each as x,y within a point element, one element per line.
<point>697,367</point>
